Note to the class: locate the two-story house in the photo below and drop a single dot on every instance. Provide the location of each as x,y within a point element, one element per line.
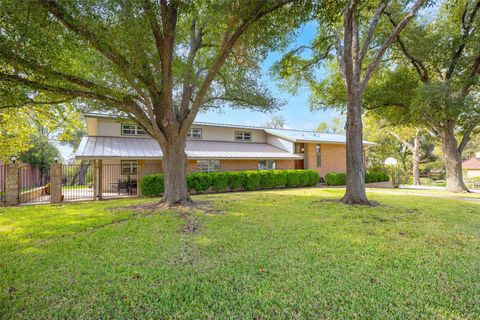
<point>213,147</point>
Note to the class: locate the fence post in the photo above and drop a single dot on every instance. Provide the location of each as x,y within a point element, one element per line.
<point>98,180</point>
<point>12,192</point>
<point>140,175</point>
<point>56,183</point>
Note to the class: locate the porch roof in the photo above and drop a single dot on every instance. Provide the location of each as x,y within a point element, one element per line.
<point>127,147</point>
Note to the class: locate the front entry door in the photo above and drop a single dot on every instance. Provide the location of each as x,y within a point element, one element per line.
<point>298,164</point>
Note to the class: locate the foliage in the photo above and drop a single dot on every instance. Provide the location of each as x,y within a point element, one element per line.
<point>340,179</point>
<point>335,125</point>
<point>152,185</point>
<point>14,138</point>
<point>336,179</point>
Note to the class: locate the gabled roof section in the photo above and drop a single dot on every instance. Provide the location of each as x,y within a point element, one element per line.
<point>471,164</point>
<point>310,136</point>
<point>148,148</point>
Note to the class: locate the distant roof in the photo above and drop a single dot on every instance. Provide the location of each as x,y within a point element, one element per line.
<point>126,147</point>
<point>472,164</point>
<point>288,134</point>
<point>309,136</point>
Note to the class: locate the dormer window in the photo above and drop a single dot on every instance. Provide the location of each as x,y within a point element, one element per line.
<point>194,133</point>
<point>132,130</point>
<point>243,136</point>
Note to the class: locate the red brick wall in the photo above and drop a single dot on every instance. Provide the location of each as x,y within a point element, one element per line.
<point>333,158</point>
<point>239,165</point>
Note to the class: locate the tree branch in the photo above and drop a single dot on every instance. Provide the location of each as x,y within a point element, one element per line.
<point>466,136</point>
<point>102,47</point>
<point>396,31</point>
<point>371,29</point>
<point>225,48</point>
<point>417,64</point>
<point>466,29</point>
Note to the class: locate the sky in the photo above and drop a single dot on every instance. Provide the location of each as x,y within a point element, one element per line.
<point>296,111</point>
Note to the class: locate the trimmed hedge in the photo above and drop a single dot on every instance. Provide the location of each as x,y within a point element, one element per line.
<point>152,185</point>
<point>340,179</point>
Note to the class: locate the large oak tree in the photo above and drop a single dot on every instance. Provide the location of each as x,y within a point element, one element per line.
<point>351,40</point>
<point>157,62</point>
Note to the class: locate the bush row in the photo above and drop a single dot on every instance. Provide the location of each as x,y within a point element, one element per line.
<point>152,185</point>
<point>340,179</point>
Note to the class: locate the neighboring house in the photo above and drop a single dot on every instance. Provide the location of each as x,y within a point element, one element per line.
<point>213,147</point>
<point>472,167</point>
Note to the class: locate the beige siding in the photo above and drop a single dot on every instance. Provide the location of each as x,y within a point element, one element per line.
<point>228,134</point>
<point>92,126</point>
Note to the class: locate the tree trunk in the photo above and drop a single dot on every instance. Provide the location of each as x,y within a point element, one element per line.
<point>355,193</point>
<point>453,161</point>
<point>175,172</point>
<point>416,159</point>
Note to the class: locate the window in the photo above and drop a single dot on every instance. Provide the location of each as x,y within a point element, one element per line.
<point>243,136</point>
<point>129,167</point>
<point>132,129</point>
<point>194,133</point>
<point>299,148</point>
<point>319,155</point>
<point>267,165</point>
<point>208,165</point>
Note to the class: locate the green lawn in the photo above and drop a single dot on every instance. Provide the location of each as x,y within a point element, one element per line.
<point>259,255</point>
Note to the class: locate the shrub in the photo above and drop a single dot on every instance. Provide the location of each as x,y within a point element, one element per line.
<point>340,179</point>
<point>280,178</point>
<point>312,177</point>
<point>235,180</point>
<point>199,181</point>
<point>336,179</point>
<point>251,180</point>
<point>267,179</point>
<point>152,185</point>
<point>219,181</point>
<point>293,179</point>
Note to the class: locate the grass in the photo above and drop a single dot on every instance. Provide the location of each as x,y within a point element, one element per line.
<point>273,254</point>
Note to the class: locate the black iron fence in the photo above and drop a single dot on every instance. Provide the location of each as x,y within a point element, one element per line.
<point>3,183</point>
<point>77,181</point>
<point>119,180</point>
<point>34,184</point>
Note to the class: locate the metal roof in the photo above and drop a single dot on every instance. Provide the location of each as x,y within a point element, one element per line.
<point>126,147</point>
<point>309,136</point>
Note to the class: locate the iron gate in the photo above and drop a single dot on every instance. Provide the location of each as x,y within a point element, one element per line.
<point>34,184</point>
<point>77,181</point>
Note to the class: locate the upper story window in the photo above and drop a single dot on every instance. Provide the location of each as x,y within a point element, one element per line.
<point>299,148</point>
<point>318,150</point>
<point>208,165</point>
<point>243,136</point>
<point>194,133</point>
<point>132,130</point>
<point>267,165</point>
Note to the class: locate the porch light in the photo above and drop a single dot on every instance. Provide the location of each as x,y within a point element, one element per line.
<point>13,159</point>
<point>55,159</point>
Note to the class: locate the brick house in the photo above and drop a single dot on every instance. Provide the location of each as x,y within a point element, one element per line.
<point>472,167</point>
<point>212,147</point>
